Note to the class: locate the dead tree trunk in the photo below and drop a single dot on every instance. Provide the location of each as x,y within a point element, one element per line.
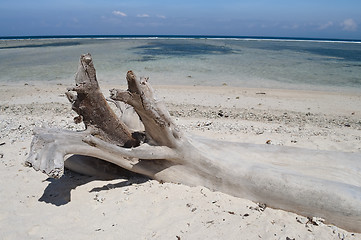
<point>308,182</point>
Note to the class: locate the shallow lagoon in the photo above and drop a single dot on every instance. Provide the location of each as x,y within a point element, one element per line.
<point>290,64</point>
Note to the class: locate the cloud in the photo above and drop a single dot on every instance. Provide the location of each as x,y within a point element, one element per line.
<point>349,25</point>
<point>325,25</point>
<point>119,13</point>
<point>143,15</point>
<point>161,16</point>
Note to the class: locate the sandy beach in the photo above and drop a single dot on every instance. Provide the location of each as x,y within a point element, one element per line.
<point>82,207</point>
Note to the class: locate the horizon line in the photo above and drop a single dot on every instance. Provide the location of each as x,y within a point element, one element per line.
<point>24,37</point>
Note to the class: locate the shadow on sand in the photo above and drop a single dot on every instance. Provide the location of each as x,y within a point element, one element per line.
<point>58,191</point>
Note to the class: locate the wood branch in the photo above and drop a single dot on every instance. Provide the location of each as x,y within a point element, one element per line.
<point>128,116</point>
<point>156,119</point>
<point>93,109</point>
<point>311,183</point>
<point>50,147</point>
<point>144,151</point>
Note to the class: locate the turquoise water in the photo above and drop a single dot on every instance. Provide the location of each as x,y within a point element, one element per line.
<point>241,62</point>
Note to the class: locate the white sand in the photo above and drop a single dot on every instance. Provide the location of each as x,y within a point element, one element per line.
<point>80,207</point>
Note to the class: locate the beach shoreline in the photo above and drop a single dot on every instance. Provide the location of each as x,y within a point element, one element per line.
<point>35,207</point>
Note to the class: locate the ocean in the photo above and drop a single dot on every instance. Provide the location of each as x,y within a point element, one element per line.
<point>283,63</point>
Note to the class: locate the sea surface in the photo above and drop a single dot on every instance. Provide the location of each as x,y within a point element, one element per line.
<point>305,64</point>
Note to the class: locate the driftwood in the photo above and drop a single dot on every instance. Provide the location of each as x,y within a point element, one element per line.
<point>308,182</point>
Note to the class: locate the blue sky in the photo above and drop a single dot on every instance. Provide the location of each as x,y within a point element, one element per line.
<point>279,18</point>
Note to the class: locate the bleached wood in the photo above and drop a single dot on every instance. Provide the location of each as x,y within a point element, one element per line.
<point>308,182</point>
